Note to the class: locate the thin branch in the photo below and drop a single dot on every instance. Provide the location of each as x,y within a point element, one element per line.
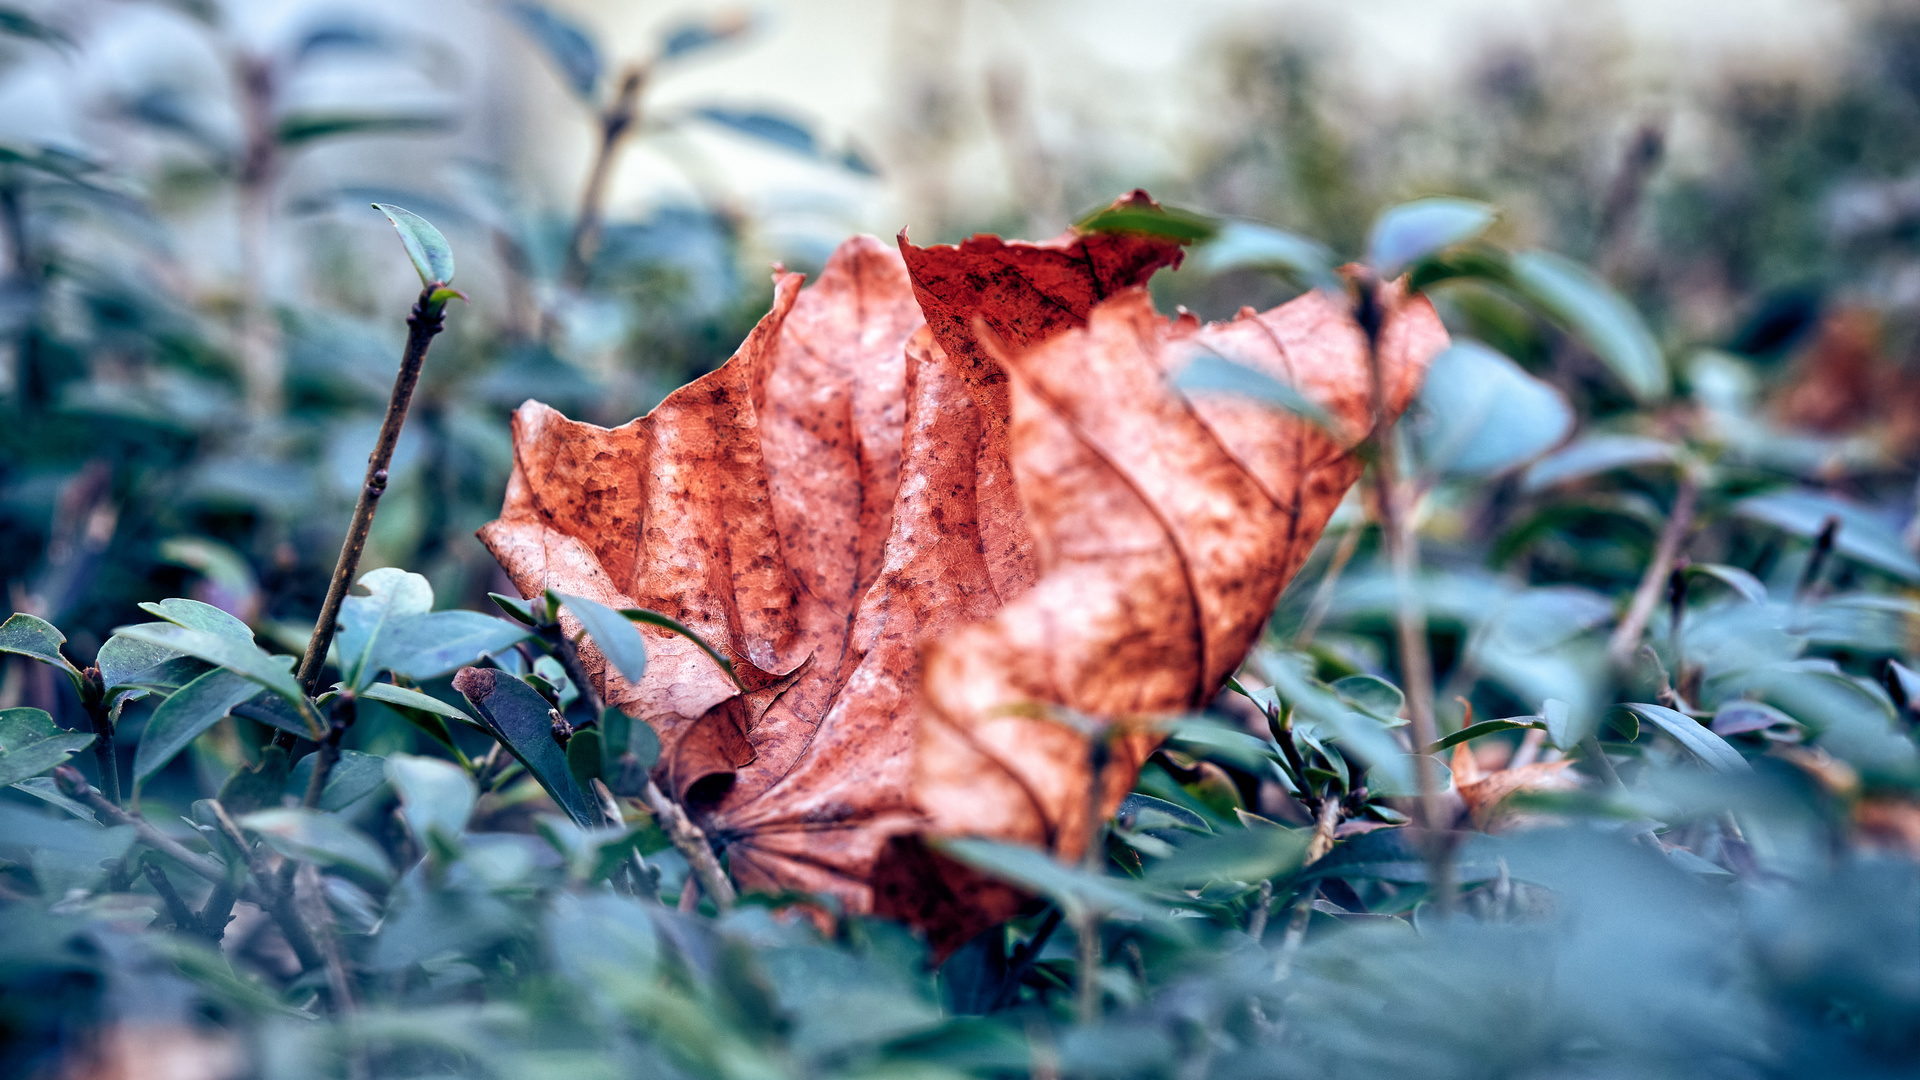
<point>75,786</point>
<point>691,842</point>
<point>343,709</point>
<point>1323,592</point>
<point>1093,857</point>
<point>427,319</point>
<point>182,915</point>
<point>1626,637</point>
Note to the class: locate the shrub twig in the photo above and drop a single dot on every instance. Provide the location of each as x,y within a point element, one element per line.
<point>1626,637</point>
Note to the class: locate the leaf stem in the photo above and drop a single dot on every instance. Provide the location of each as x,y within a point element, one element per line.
<point>426,320</point>
<point>182,915</point>
<point>94,698</point>
<point>615,123</point>
<point>692,845</point>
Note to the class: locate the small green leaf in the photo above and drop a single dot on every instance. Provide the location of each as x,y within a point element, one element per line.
<point>436,798</point>
<point>431,255</point>
<point>407,698</point>
<point>1564,731</point>
<point>1245,245</point>
<point>1740,717</point>
<point>422,647</point>
<point>126,664</point>
<point>1861,536</point>
<point>1412,231</point>
<point>514,606</point>
<point>1211,373</point>
<point>566,43</point>
<point>1204,738</point>
<point>619,640</point>
<point>1480,414</point>
<point>31,743</point>
<point>1487,727</point>
<point>30,635</point>
<point>1591,455</point>
<point>584,759</point>
<point>353,777</point>
<point>1749,587</point>
<point>1372,695</point>
<point>1074,890</point>
<point>185,714</point>
<point>1257,853</point>
<point>1576,298</point>
<point>1712,751</point>
<point>391,595</point>
<point>1171,223</point>
<point>301,128</point>
<point>240,657</point>
<point>317,837</point>
<point>195,615</point>
<point>665,622</point>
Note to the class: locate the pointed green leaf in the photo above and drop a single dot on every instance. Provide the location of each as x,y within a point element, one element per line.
<point>523,722</point>
<point>1712,751</point>
<point>1073,889</point>
<point>413,699</point>
<point>31,743</point>
<point>1211,373</point>
<point>431,255</point>
<point>30,635</point>
<point>195,615</point>
<point>391,595</point>
<point>240,657</point>
<point>1576,298</point>
<point>619,640</point>
<point>1257,853</point>
<point>666,622</point>
<point>353,777</point>
<point>1245,245</point>
<point>181,718</point>
<point>1487,727</point>
<point>127,664</point>
<point>1409,232</point>
<point>436,798</point>
<point>317,837</point>
<point>422,647</point>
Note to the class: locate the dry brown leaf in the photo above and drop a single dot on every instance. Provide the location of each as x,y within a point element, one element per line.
<point>854,486</point>
<point>1483,791</point>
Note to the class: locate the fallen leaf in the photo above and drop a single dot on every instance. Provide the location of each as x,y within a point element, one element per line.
<point>855,487</point>
<point>1483,791</point>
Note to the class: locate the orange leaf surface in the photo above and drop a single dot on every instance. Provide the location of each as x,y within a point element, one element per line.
<point>933,494</point>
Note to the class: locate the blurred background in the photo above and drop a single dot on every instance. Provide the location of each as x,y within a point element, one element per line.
<point>200,316</point>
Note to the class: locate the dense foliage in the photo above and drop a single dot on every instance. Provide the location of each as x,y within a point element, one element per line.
<point>1651,578</point>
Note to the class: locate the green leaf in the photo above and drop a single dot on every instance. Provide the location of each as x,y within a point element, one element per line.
<point>30,635</point>
<point>1252,854</point>
<point>17,23</point>
<point>1740,717</point>
<point>422,647</point>
<point>1710,749</point>
<point>668,623</point>
<point>1591,455</point>
<point>1167,222</point>
<point>1205,738</point>
<point>1862,535</point>
<point>431,255</point>
<point>522,720</point>
<point>317,837</point>
<point>1244,245</point>
<point>406,698</point>
<point>436,798</point>
<point>126,664</point>
<point>1487,727</point>
<point>391,595</point>
<point>1211,373</point>
<point>353,777</point>
<point>1576,298</point>
<point>1074,890</point>
<point>1402,779</point>
<point>516,607</point>
<point>301,128</point>
<point>31,743</point>
<point>185,714</point>
<point>243,658</point>
<point>1412,231</point>
<point>584,758</point>
<point>1749,587</point>
<point>1479,414</point>
<point>1372,695</point>
<point>566,43</point>
<point>45,789</point>
<point>618,639</point>
<point>195,615</point>
<point>1564,730</point>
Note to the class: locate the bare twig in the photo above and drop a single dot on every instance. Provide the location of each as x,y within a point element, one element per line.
<point>177,909</point>
<point>75,786</point>
<point>1625,197</point>
<point>1323,592</point>
<point>1257,920</point>
<point>615,123</point>
<point>1317,847</point>
<point>1410,617</point>
<point>1626,637</point>
<point>426,320</point>
<point>691,842</point>
<point>1086,922</point>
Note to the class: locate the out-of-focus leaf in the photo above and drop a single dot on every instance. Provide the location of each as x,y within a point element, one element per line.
<point>1710,749</point>
<point>1207,739</point>
<point>1251,854</point>
<point>1861,535</point>
<point>1487,727</point>
<point>1373,695</point>
<point>597,936</point>
<point>1591,455</point>
<point>1740,717</point>
<point>1850,718</point>
<point>17,23</point>
<point>618,639</point>
<point>1566,728</point>
<point>299,129</point>
<point>31,743</point>
<point>181,718</point>
<point>1036,871</point>
<point>1245,245</point>
<point>523,722</point>
<point>240,657</point>
<point>1146,813</point>
<point>566,42</point>
<point>30,635</point>
<point>422,647</point>
<point>436,797</point>
<point>1217,374</point>
<point>431,254</point>
<point>314,836</point>
<point>1749,587</point>
<point>519,609</point>
<point>1400,777</point>
<point>696,34</point>
<point>1411,231</point>
<point>47,790</point>
<point>1478,413</point>
<point>782,131</point>
<point>1905,682</point>
<point>352,778</point>
<point>391,595</point>
<point>1172,223</point>
<point>1576,298</point>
